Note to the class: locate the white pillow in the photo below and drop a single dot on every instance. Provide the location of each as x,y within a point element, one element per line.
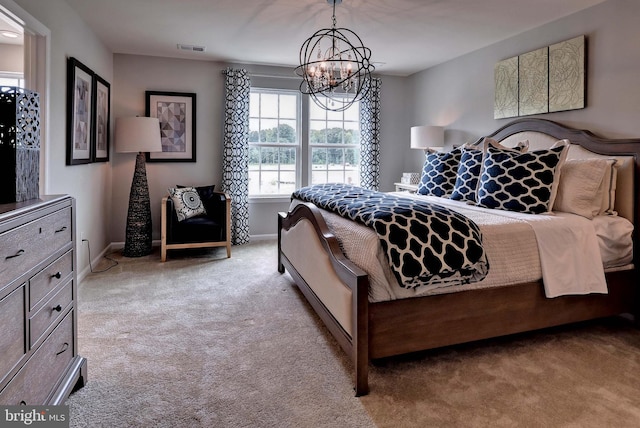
<point>608,189</point>
<point>186,202</point>
<point>582,186</point>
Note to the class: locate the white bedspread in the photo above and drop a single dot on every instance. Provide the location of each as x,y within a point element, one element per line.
<point>568,249</point>
<point>562,249</point>
<point>569,253</point>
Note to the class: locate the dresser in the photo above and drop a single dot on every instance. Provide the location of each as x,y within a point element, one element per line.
<point>39,361</point>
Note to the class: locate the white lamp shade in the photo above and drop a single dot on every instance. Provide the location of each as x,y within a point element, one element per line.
<point>138,134</point>
<point>423,137</point>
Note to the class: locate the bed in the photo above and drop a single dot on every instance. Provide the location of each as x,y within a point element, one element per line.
<point>368,328</point>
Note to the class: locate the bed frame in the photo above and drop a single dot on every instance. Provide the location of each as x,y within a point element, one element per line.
<point>380,329</point>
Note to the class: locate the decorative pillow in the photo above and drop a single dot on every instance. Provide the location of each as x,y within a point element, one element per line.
<point>524,182</point>
<point>608,190</point>
<point>439,173</point>
<point>469,168</point>
<point>205,192</point>
<point>187,202</point>
<point>581,189</point>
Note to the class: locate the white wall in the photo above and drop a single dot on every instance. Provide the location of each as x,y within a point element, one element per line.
<point>459,93</point>
<point>89,184</point>
<point>133,75</point>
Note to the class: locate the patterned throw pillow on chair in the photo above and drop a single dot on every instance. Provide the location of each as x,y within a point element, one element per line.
<point>187,202</point>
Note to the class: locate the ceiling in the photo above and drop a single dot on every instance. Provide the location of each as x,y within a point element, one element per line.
<point>405,36</point>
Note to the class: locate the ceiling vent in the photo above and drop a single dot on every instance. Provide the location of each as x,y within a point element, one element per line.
<point>191,48</point>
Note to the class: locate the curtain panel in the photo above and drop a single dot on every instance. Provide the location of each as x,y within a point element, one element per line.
<point>235,161</point>
<point>370,137</point>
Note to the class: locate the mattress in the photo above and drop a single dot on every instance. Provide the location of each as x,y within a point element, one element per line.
<point>510,244</point>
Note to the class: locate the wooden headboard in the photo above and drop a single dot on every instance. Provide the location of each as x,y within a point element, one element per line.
<point>542,133</point>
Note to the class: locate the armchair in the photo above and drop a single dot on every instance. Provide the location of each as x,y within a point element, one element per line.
<point>210,230</point>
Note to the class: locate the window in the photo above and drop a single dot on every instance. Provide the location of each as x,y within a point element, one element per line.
<point>334,142</point>
<point>11,79</point>
<point>8,78</point>
<point>274,142</point>
<point>292,145</point>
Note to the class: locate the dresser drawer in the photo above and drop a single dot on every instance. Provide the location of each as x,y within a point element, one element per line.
<point>12,338</point>
<point>32,384</point>
<point>49,313</point>
<point>49,278</point>
<point>25,246</point>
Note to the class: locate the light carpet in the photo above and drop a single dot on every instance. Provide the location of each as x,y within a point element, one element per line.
<point>205,341</point>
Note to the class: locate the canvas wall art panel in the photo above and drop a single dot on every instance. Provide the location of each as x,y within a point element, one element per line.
<point>567,75</point>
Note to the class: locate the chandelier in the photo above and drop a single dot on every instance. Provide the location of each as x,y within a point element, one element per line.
<point>335,71</point>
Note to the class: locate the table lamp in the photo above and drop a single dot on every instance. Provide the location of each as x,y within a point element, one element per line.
<point>138,135</point>
<point>427,136</point>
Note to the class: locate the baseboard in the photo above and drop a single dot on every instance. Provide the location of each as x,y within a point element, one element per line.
<point>115,246</point>
<point>87,269</point>
<point>263,237</point>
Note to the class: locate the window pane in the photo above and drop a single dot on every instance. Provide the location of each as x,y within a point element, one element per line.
<point>318,159</point>
<point>254,130</point>
<point>335,158</point>
<point>254,105</point>
<point>269,130</point>
<point>334,115</point>
<point>287,131</point>
<point>288,107</point>
<point>315,112</point>
<point>318,177</point>
<point>353,112</point>
<point>269,105</point>
<point>317,132</point>
<point>334,133</point>
<point>351,133</point>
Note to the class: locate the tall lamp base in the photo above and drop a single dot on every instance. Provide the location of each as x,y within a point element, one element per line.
<point>138,241</point>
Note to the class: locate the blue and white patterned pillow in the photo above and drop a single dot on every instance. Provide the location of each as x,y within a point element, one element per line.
<point>439,173</point>
<point>525,182</point>
<point>470,167</point>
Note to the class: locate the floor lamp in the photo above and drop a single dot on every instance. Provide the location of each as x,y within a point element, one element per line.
<point>138,135</point>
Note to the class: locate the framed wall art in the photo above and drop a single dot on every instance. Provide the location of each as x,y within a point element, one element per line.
<point>79,112</point>
<point>176,112</point>
<point>101,119</point>
<point>545,80</point>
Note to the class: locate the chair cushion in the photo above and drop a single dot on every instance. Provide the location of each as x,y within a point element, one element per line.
<point>195,229</point>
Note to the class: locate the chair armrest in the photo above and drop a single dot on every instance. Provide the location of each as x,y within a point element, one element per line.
<point>170,216</point>
<point>216,207</point>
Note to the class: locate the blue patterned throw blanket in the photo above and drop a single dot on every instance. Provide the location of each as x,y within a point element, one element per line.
<point>425,243</point>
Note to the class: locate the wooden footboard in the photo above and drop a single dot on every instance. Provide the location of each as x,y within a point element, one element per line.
<point>383,329</point>
<point>352,333</point>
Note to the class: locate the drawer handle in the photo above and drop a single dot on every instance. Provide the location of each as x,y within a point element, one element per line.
<point>57,275</point>
<point>18,254</point>
<point>23,403</point>
<point>58,308</point>
<point>64,348</point>
<point>62,229</point>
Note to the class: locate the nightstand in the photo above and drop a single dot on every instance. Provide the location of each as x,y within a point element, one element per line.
<point>404,187</point>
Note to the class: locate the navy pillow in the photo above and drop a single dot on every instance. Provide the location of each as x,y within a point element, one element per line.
<point>525,182</point>
<point>439,173</point>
